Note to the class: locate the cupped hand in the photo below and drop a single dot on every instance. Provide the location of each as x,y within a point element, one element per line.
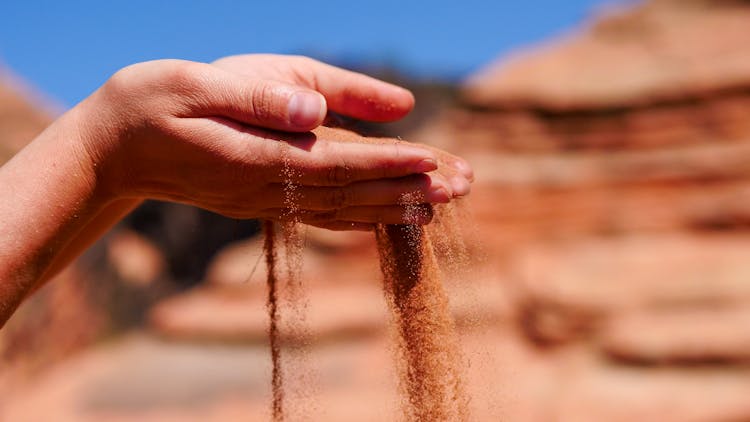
<point>233,137</point>
<point>348,93</point>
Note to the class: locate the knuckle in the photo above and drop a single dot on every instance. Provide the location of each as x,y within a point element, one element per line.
<point>123,82</point>
<point>184,75</point>
<point>157,74</point>
<point>338,175</point>
<point>242,173</point>
<point>329,165</point>
<point>262,101</point>
<point>141,84</point>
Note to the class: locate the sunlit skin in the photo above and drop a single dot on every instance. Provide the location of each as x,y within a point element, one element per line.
<point>219,136</point>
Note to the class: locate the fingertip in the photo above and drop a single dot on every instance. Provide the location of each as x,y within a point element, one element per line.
<point>375,101</point>
<point>464,168</point>
<point>404,98</point>
<point>396,102</point>
<point>306,110</point>
<point>460,186</point>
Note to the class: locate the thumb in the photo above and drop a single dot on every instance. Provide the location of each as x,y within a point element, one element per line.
<point>264,103</point>
<point>277,105</point>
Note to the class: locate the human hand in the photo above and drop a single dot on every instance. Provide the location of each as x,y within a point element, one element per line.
<point>191,132</point>
<point>351,94</point>
<point>233,138</point>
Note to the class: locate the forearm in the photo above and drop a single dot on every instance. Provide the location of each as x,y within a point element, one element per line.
<point>96,227</point>
<point>50,195</point>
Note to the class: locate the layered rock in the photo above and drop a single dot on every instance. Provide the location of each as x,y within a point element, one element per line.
<point>645,108</point>
<point>662,52</point>
<point>611,174</point>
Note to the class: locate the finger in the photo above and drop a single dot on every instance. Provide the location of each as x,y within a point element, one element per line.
<point>392,214</point>
<point>306,159</point>
<point>346,92</point>
<point>459,184</point>
<point>332,163</point>
<point>346,226</point>
<point>457,163</point>
<point>209,91</point>
<point>354,94</point>
<point>420,188</point>
<point>451,167</point>
<point>454,169</point>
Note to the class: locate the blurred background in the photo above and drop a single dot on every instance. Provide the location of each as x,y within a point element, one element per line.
<point>609,276</point>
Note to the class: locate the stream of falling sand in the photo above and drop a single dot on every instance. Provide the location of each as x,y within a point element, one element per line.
<point>277,392</point>
<point>429,360</point>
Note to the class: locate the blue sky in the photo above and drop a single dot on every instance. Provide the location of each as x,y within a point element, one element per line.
<point>68,48</point>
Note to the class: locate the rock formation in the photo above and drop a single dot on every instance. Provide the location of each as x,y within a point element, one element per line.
<point>611,174</point>
<point>594,132</point>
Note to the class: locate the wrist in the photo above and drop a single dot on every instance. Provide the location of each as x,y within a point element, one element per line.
<point>50,191</point>
<point>95,145</point>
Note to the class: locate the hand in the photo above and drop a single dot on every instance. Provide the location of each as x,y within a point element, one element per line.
<point>232,137</point>
<point>191,132</point>
<point>351,94</point>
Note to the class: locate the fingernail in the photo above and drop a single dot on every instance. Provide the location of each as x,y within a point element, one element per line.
<point>461,186</point>
<point>428,164</point>
<point>306,109</point>
<point>438,195</point>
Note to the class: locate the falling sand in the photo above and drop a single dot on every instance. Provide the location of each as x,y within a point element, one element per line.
<point>277,405</point>
<point>429,359</point>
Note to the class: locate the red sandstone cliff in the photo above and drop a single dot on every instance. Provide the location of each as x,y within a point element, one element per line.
<point>662,51</point>
<point>595,132</point>
<point>612,176</point>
